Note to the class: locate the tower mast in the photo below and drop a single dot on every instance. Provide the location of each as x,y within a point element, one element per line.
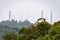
<point>21,16</point>
<point>42,14</point>
<point>9,15</point>
<point>51,17</point>
<point>27,17</point>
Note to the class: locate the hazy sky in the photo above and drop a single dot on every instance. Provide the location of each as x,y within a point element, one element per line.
<point>29,9</point>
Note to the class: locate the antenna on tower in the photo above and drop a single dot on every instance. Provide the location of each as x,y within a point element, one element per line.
<point>9,15</point>
<point>13,17</point>
<point>51,17</point>
<point>27,17</point>
<point>42,14</point>
<point>21,16</point>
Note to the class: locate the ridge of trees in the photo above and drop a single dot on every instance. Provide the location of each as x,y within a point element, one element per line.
<point>42,31</point>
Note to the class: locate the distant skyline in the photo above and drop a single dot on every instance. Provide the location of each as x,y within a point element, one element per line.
<point>30,9</point>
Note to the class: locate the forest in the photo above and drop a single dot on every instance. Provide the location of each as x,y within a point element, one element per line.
<point>39,31</point>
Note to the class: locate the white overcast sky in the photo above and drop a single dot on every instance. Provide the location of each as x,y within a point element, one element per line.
<point>29,9</point>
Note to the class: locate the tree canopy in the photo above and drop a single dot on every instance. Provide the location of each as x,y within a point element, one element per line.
<point>42,31</point>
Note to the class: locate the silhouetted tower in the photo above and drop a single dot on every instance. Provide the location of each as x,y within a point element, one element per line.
<point>42,14</point>
<point>41,19</point>
<point>27,17</point>
<point>9,15</point>
<point>21,16</point>
<point>51,17</point>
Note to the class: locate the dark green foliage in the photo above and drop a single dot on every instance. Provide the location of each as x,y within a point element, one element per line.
<point>42,31</point>
<point>10,36</point>
<point>57,37</point>
<point>43,28</point>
